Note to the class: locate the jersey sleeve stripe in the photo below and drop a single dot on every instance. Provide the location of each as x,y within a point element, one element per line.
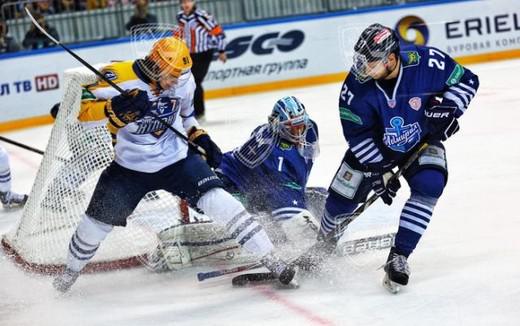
<point>362,144</point>
<point>373,157</point>
<point>364,150</point>
<point>286,210</point>
<point>469,88</point>
<point>454,98</point>
<point>467,97</point>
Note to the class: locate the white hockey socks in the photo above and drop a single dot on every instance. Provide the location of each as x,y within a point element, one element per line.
<point>5,172</point>
<point>225,210</point>
<point>85,242</point>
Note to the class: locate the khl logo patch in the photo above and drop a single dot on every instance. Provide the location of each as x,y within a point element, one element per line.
<point>415,103</point>
<point>401,137</point>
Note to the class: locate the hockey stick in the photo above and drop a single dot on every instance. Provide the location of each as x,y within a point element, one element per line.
<point>348,248</point>
<point>199,149</point>
<point>205,275</point>
<point>349,218</point>
<point>27,147</point>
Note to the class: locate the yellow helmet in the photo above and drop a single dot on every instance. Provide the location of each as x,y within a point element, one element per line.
<point>170,56</point>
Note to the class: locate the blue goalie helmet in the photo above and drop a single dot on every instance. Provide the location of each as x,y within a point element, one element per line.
<point>290,119</point>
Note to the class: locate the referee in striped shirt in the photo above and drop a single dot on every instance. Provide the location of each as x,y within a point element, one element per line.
<point>203,35</point>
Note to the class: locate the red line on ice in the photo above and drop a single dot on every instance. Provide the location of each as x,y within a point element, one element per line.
<point>301,311</point>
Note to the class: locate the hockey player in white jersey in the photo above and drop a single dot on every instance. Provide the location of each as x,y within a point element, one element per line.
<point>8,198</point>
<point>149,157</point>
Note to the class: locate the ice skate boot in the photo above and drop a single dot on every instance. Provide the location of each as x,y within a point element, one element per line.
<point>12,200</point>
<point>65,280</point>
<point>280,269</point>
<point>397,272</point>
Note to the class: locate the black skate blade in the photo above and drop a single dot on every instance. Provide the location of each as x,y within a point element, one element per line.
<point>391,286</point>
<point>252,279</point>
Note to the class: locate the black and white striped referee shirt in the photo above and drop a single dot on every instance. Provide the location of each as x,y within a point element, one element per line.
<point>201,32</point>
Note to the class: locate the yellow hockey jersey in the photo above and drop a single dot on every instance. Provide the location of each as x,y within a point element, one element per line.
<point>144,145</point>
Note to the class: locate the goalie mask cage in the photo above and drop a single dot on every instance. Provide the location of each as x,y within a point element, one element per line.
<point>76,155</point>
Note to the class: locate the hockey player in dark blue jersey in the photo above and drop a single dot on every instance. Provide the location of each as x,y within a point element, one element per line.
<point>271,169</point>
<point>393,99</point>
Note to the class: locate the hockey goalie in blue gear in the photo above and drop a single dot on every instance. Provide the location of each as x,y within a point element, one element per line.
<point>393,99</point>
<point>271,169</point>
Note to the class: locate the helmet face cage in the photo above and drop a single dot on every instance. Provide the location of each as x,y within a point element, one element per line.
<point>372,49</point>
<point>290,119</point>
<point>166,54</point>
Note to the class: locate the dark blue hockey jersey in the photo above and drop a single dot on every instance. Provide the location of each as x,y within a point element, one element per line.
<point>277,184</point>
<point>382,123</point>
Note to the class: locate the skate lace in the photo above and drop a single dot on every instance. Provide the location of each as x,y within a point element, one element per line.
<point>400,264</point>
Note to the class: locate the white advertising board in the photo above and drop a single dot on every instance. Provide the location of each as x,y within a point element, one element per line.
<point>275,51</point>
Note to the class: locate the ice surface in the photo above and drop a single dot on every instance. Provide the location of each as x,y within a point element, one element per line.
<point>466,270</point>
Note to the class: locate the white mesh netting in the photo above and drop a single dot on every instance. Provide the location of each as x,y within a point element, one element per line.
<point>75,157</point>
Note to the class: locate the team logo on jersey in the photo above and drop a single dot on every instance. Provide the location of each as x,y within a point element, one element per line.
<point>401,137</point>
<point>285,146</point>
<point>166,108</point>
<point>413,58</point>
<point>415,103</point>
<point>110,75</point>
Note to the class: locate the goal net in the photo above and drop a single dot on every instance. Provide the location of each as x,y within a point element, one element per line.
<point>76,155</point>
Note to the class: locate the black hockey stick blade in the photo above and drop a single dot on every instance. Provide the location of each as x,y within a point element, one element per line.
<point>256,278</point>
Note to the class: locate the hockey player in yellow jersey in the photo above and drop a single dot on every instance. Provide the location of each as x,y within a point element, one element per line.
<point>149,157</point>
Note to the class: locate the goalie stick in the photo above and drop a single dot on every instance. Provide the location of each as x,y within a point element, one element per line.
<point>352,247</point>
<point>199,149</point>
<point>318,248</point>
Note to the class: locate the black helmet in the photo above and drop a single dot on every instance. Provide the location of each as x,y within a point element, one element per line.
<point>376,43</point>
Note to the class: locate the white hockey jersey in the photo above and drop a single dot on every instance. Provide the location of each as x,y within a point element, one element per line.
<point>144,145</point>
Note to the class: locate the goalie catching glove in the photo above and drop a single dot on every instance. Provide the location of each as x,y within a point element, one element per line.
<point>127,108</point>
<point>213,153</point>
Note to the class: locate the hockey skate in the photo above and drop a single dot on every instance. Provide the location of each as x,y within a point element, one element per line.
<point>284,272</point>
<point>65,280</point>
<point>397,272</point>
<point>313,259</point>
<point>12,200</point>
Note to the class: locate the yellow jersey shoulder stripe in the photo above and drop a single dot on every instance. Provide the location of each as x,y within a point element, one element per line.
<point>118,72</point>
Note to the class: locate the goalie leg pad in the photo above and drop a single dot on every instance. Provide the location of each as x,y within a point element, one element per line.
<point>225,210</point>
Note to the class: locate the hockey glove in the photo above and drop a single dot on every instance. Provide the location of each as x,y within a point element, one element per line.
<point>213,152</point>
<point>442,119</point>
<point>376,177</point>
<point>124,109</point>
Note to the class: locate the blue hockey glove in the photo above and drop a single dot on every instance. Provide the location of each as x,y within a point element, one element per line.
<point>213,153</point>
<point>442,119</point>
<point>388,192</point>
<point>124,109</point>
